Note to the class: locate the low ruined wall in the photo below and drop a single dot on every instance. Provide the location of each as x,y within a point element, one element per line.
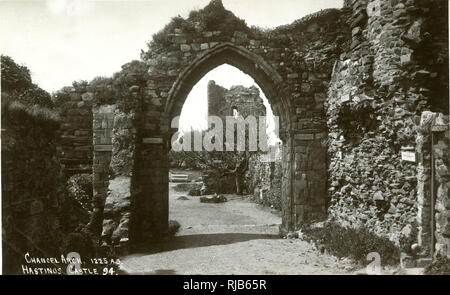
<point>32,185</point>
<point>263,181</point>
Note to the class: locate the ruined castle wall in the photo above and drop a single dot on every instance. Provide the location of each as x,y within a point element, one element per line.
<point>380,86</point>
<point>120,187</point>
<point>302,53</point>
<point>442,179</point>
<point>102,126</point>
<point>32,185</point>
<point>75,149</point>
<point>432,149</point>
<point>262,178</point>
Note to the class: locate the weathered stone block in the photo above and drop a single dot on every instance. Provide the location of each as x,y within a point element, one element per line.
<point>204,46</point>
<point>185,47</point>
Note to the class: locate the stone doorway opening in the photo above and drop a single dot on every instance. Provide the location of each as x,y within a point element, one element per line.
<point>269,81</point>
<point>217,187</point>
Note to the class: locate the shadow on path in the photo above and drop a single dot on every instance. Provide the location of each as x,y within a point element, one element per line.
<point>201,240</point>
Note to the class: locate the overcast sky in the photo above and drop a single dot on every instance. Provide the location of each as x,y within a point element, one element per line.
<point>65,40</point>
<point>62,41</point>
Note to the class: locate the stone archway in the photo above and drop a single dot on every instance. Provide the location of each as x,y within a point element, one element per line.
<point>240,57</point>
<point>184,51</point>
<point>156,150</point>
<point>267,78</point>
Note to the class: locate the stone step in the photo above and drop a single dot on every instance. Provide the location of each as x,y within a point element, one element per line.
<point>178,177</point>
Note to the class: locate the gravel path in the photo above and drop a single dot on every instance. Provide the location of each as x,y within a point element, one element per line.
<point>236,237</point>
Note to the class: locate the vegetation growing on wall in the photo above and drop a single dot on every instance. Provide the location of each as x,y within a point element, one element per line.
<point>80,188</point>
<point>214,17</point>
<point>123,88</point>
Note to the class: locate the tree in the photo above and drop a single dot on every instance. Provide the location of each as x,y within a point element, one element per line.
<point>17,83</point>
<point>223,164</point>
<point>14,77</point>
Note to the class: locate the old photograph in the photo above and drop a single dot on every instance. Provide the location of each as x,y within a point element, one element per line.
<point>225,137</point>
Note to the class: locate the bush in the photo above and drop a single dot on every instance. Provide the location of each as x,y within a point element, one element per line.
<point>355,243</point>
<point>80,189</point>
<point>14,77</point>
<point>194,192</point>
<point>36,95</point>
<point>16,81</point>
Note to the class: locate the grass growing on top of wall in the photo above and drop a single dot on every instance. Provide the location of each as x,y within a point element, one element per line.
<point>34,117</point>
<point>355,243</point>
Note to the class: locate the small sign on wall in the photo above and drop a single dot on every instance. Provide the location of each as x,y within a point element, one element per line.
<point>304,136</point>
<point>103,147</point>
<point>345,98</point>
<point>439,128</point>
<point>409,156</point>
<point>152,140</point>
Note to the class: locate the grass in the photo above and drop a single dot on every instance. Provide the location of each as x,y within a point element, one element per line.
<point>355,243</point>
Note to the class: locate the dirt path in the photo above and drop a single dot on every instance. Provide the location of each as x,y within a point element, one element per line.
<point>236,237</point>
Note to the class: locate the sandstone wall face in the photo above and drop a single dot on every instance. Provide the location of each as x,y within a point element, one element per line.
<point>390,73</point>
<point>75,147</point>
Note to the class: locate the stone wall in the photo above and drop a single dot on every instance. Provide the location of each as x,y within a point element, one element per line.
<point>294,65</point>
<point>102,126</point>
<point>348,86</point>
<point>121,191</point>
<point>74,105</point>
<point>442,180</point>
<point>247,101</point>
<point>32,185</point>
<point>389,74</point>
<point>262,178</point>
<point>434,230</point>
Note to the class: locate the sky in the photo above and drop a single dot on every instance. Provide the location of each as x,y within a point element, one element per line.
<point>195,109</point>
<point>62,41</point>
